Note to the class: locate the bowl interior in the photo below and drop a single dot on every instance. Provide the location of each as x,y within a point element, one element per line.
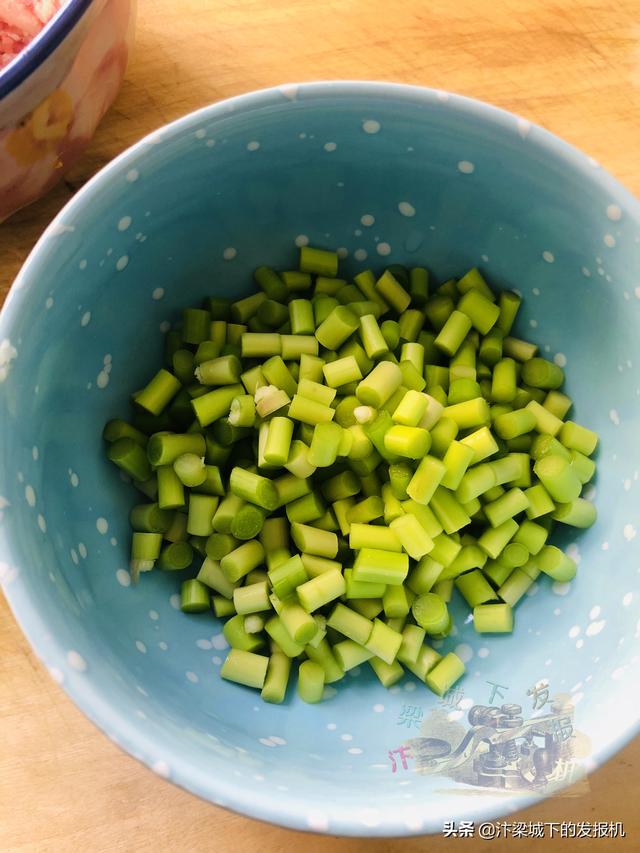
<point>388,174</point>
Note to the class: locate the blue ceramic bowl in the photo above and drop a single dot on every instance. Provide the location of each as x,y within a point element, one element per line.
<point>388,174</point>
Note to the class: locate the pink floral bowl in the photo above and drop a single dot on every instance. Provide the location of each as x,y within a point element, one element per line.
<point>56,91</point>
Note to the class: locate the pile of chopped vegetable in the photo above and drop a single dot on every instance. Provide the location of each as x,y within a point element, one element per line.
<point>20,23</point>
<point>337,457</point>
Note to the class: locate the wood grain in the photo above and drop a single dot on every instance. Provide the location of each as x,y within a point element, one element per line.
<point>570,65</point>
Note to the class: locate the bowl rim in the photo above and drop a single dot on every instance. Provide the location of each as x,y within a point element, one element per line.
<point>256,802</point>
<point>42,46</point>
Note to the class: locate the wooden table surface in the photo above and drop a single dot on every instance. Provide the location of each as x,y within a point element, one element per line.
<point>570,65</point>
